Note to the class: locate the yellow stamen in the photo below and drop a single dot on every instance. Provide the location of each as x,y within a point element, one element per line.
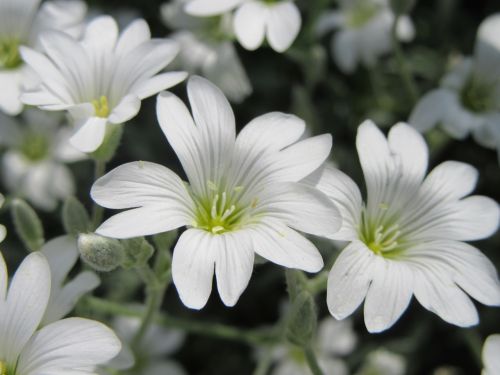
<point>101,107</point>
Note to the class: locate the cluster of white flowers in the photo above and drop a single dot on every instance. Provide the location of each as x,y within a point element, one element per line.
<point>261,192</point>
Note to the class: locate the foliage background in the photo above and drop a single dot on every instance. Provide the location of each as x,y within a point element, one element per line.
<point>306,82</point>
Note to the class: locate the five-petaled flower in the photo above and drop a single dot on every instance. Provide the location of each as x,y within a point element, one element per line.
<point>71,345</point>
<point>102,78</point>
<point>244,194</point>
<point>407,238</point>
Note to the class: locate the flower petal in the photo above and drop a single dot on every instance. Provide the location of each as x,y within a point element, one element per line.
<point>126,109</point>
<point>430,109</point>
<point>203,8</point>
<point>346,195</point>
<point>491,360</point>
<point>344,50</point>
<point>272,131</point>
<point>250,24</point>
<point>281,245</point>
<point>145,221</point>
<point>451,180</point>
<point>215,120</point>
<point>4,278</point>
<point>11,83</point>
<point>349,279</point>
<point>62,254</point>
<point>136,33</point>
<point>233,265</point>
<point>89,134</point>
<point>62,302</point>
<point>303,208</point>
<point>160,82</point>
<point>437,293</point>
<point>72,344</point>
<point>141,184</point>
<point>193,265</point>
<point>487,47</point>
<point>184,137</point>
<point>25,305</point>
<point>393,284</point>
<point>302,158</point>
<point>468,267</point>
<point>283,25</point>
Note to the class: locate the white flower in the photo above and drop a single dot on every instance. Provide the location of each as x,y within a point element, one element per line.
<point>468,100</point>
<point>68,346</point>
<point>205,47</point>
<point>21,22</point>
<point>364,32</point>
<point>101,79</point>
<point>157,344</point>
<point>244,194</point>
<point>407,238</point>
<point>491,360</point>
<point>335,339</point>
<point>34,164</point>
<point>383,362</point>
<point>255,20</point>
<point>62,254</point>
<point>3,230</point>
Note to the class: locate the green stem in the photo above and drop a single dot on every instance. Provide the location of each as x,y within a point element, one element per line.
<point>318,283</point>
<point>221,331</point>
<point>98,211</point>
<point>404,70</point>
<point>264,362</point>
<point>155,292</point>
<point>312,361</point>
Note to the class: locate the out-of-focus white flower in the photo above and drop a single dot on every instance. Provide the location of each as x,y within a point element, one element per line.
<point>335,339</point>
<point>364,32</point>
<point>21,22</point>
<point>158,343</point>
<point>68,346</point>
<point>33,165</point>
<point>468,100</point>
<point>383,362</point>
<point>407,238</point>
<point>278,21</point>
<point>62,254</point>
<point>206,48</point>
<point>244,194</point>
<point>491,359</point>
<point>101,79</point>
<point>3,230</point>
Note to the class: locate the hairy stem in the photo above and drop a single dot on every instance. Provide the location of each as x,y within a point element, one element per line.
<point>312,361</point>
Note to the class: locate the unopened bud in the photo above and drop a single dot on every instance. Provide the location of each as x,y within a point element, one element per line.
<point>302,320</point>
<point>138,251</point>
<point>101,253</point>
<point>75,217</point>
<point>27,224</point>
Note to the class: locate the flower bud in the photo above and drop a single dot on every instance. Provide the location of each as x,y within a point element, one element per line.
<point>302,320</point>
<point>27,224</point>
<point>101,253</point>
<point>75,217</point>
<point>138,251</point>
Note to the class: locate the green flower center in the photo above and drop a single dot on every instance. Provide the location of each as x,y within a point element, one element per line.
<point>3,369</point>
<point>383,237</point>
<point>9,54</point>
<point>221,212</point>
<point>477,95</point>
<point>35,147</point>
<point>360,13</point>
<point>101,107</point>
